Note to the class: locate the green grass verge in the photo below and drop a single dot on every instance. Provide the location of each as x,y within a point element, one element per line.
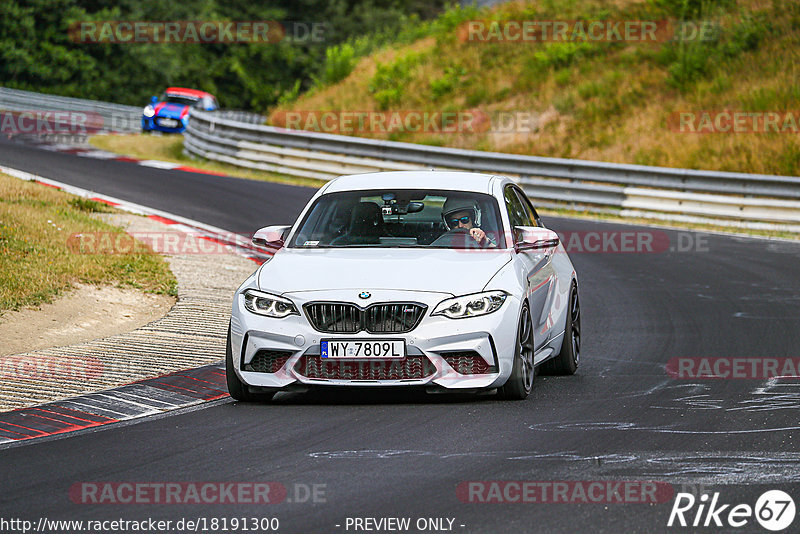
<point>36,263</point>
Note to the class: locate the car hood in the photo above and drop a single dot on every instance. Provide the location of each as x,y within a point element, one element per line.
<point>172,111</point>
<point>455,272</point>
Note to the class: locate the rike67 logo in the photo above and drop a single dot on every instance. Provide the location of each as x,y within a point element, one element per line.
<point>774,510</point>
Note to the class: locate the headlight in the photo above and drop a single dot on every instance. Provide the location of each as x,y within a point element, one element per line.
<point>269,305</point>
<point>149,111</point>
<point>471,305</point>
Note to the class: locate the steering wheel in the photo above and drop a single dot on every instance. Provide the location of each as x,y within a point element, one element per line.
<point>459,238</point>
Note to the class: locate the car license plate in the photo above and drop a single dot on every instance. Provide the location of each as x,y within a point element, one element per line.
<point>358,349</point>
<point>168,123</point>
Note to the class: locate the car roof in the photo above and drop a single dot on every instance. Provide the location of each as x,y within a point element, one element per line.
<point>438,180</point>
<point>182,91</point>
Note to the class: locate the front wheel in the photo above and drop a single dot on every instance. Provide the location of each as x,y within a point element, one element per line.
<point>566,362</point>
<point>520,383</point>
<point>236,388</point>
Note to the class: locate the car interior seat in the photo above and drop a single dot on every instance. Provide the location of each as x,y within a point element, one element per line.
<point>366,226</point>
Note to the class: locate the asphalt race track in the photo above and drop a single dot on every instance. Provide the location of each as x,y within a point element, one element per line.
<point>622,417</point>
<point>201,197</point>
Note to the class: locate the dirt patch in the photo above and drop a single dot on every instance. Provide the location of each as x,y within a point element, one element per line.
<point>168,338</point>
<point>84,314</point>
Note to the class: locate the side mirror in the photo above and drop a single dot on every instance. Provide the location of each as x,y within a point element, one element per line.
<point>153,99</point>
<point>534,238</point>
<point>271,236</point>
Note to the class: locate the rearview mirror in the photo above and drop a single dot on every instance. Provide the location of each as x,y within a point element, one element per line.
<point>153,99</point>
<point>534,238</point>
<point>399,208</point>
<point>271,236</point>
<point>415,207</point>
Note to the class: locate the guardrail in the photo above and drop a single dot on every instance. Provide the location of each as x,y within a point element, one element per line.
<point>103,116</point>
<point>725,198</point>
<point>241,116</point>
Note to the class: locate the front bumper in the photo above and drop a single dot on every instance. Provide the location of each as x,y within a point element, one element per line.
<point>429,346</point>
<point>150,124</point>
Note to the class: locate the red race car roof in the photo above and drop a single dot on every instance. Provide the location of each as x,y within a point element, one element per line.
<point>182,91</point>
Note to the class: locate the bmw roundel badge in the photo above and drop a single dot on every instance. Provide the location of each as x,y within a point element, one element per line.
<point>364,295</point>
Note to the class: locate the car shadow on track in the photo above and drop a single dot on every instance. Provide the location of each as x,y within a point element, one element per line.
<point>352,396</point>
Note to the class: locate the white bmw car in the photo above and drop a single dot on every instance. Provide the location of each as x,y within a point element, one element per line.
<point>441,280</point>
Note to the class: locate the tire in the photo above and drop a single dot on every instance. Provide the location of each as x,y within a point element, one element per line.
<point>520,383</point>
<point>236,388</point>
<point>567,360</point>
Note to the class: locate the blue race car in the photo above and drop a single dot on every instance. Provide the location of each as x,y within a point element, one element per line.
<point>170,113</point>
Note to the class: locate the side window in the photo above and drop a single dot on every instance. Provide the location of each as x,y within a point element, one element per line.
<point>516,212</point>
<point>530,213</point>
<point>318,223</point>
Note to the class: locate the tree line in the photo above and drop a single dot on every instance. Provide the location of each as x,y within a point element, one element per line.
<point>42,47</point>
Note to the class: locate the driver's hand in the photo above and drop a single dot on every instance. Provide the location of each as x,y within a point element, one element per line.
<point>477,234</point>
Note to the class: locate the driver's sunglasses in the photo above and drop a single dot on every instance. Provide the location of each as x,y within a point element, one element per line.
<point>463,220</point>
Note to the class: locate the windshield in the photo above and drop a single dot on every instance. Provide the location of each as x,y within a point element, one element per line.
<point>401,218</point>
<point>181,100</point>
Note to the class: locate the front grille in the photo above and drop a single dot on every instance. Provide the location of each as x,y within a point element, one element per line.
<point>333,317</point>
<point>468,363</point>
<point>410,368</point>
<point>344,318</point>
<point>268,361</point>
<point>392,318</point>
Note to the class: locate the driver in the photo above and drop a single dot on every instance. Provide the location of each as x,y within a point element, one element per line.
<point>466,214</point>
